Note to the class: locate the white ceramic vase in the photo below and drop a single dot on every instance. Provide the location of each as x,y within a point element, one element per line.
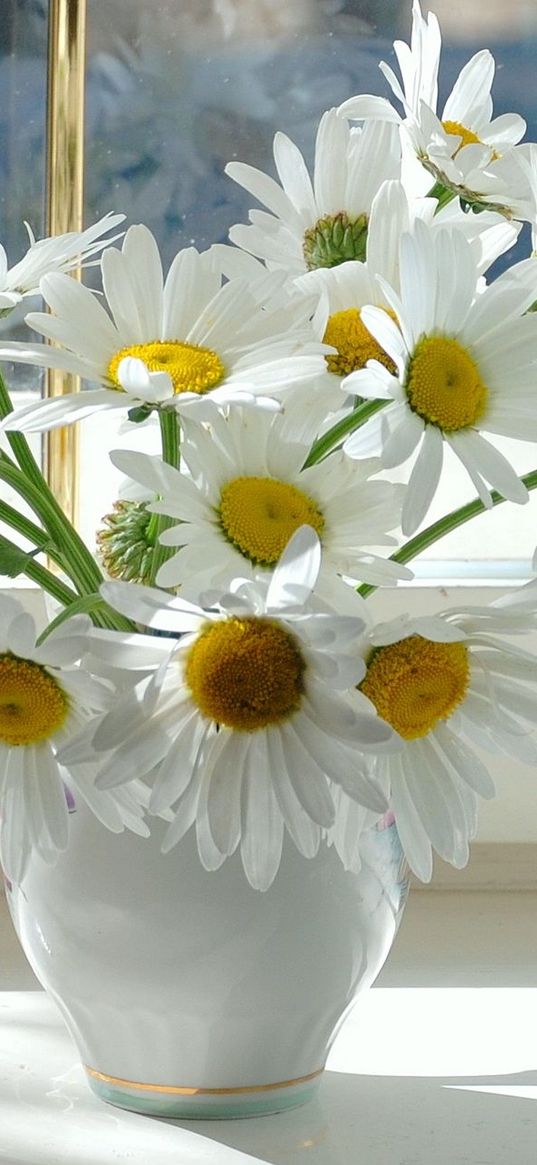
<point>188,993</point>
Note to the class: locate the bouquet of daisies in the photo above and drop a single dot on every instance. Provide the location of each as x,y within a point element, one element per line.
<point>215,661</point>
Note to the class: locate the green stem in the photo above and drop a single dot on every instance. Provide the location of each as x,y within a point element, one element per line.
<point>444,526</point>
<point>58,538</point>
<point>348,424</point>
<point>17,441</point>
<point>170,435</point>
<point>35,534</point>
<point>442,193</point>
<point>78,560</point>
<point>81,568</point>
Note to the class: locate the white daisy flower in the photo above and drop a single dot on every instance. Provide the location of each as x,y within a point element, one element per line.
<point>323,222</point>
<point>464,149</point>
<point>246,496</point>
<point>343,291</point>
<point>178,344</point>
<point>250,719</point>
<point>465,365</point>
<point>45,699</point>
<point>61,253</point>
<point>450,684</point>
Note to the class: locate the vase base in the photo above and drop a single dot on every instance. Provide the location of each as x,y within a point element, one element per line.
<point>186,1103</point>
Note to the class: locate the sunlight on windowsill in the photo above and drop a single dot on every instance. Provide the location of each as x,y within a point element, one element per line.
<point>440,1031</point>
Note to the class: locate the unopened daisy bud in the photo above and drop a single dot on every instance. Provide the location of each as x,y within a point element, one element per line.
<point>335,239</point>
<point>126,542</point>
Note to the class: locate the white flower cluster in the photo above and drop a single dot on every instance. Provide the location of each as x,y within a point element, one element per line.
<point>348,328</point>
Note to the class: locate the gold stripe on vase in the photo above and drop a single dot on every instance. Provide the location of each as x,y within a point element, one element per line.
<point>176,1090</point>
<point>65,207</point>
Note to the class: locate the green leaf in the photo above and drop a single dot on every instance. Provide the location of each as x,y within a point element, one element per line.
<point>93,605</point>
<point>85,605</point>
<point>139,413</point>
<point>13,561</point>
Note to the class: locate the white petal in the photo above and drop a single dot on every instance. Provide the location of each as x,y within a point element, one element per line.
<point>465,762</point>
<point>265,189</point>
<point>456,288</point>
<point>185,815</point>
<point>425,787</point>
<point>262,822</point>
<point>152,607</point>
<point>309,782</point>
<point>14,834</point>
<point>296,572</point>
<point>20,638</point>
<point>31,779</point>
<point>386,332</point>
<point>423,480</point>
<point>137,755</point>
<point>470,90</point>
<point>374,381</point>
<point>491,464</point>
<point>145,269</point>
<point>75,303</point>
<point>224,773</point>
<point>343,766</point>
<point>66,644</point>
<point>294,177</point>
<point>402,430</point>
<point>413,836</point>
<point>329,176</point>
<point>53,800</point>
<point>348,720</point>
<point>189,287</point>
<point>305,833</point>
<point>62,410</point>
<point>370,107</point>
<point>178,766</point>
<point>209,854</point>
<point>389,218</point>
<point>418,273</point>
<point>141,384</point>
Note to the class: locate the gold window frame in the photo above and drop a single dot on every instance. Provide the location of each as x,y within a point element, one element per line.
<point>64,207</point>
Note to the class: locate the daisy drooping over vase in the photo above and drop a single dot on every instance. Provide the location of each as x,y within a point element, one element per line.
<point>213,660</point>
<point>46,695</point>
<point>249,720</point>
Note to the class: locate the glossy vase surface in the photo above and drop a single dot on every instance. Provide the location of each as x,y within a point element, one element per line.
<point>190,994</point>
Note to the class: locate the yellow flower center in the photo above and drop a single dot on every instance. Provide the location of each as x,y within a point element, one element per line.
<point>468,137</point>
<point>443,384</point>
<point>246,673</point>
<point>355,345</point>
<point>32,704</point>
<point>192,369</point>
<point>260,514</point>
<point>415,683</point>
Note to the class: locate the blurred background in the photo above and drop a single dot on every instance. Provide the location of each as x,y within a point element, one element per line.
<point>177,88</point>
